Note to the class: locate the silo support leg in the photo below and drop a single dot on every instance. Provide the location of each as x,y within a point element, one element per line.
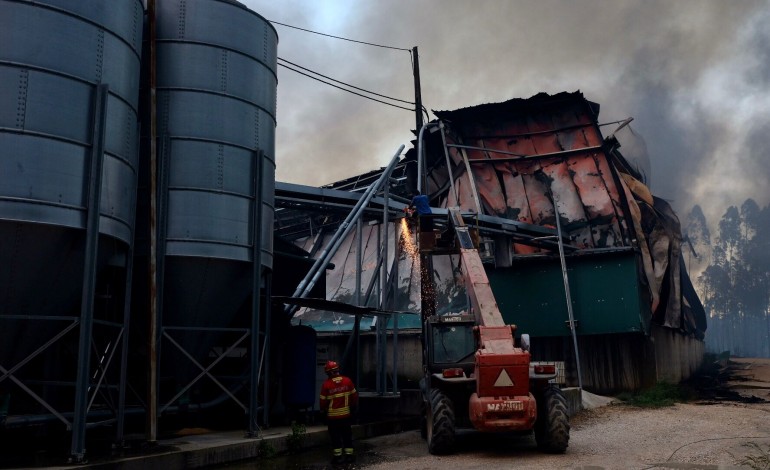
<point>256,296</point>
<point>89,276</point>
<point>119,437</point>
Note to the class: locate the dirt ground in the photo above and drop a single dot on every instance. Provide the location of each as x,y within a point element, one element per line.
<point>726,420</point>
<point>750,376</point>
<point>717,429</point>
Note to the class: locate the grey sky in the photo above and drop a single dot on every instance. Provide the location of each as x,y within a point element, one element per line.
<point>695,75</point>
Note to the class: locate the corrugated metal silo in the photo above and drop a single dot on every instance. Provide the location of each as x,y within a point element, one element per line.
<point>216,104</point>
<point>216,69</point>
<point>53,56</point>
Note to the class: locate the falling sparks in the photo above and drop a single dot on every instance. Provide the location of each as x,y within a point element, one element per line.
<point>407,241</point>
<point>409,245</point>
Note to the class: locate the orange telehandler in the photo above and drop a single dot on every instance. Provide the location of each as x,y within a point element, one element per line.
<point>475,376</point>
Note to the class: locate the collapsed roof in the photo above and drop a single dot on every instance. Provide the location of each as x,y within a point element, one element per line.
<point>532,159</point>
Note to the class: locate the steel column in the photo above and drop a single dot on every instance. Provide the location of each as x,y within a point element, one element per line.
<point>472,181</point>
<point>356,297</point>
<point>396,258</point>
<point>382,359</point>
<point>89,274</point>
<point>253,430</point>
<point>448,163</point>
<point>378,286</point>
<point>377,320</point>
<point>373,282</point>
<point>359,259</point>
<point>266,348</point>
<point>357,321</point>
<point>151,431</point>
<point>566,288</point>
<point>385,240</point>
<point>156,328</point>
<point>119,438</point>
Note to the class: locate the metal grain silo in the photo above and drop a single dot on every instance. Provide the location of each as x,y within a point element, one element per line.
<point>68,143</point>
<point>216,69</point>
<point>216,102</point>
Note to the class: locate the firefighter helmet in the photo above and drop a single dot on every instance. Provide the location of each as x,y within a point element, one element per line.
<point>331,366</point>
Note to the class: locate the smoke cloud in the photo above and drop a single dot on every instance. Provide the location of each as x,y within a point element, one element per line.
<point>695,75</point>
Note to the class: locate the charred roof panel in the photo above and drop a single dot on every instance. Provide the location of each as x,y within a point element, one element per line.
<point>529,155</point>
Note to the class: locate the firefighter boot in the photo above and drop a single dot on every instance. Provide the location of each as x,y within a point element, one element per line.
<point>337,457</point>
<point>350,456</point>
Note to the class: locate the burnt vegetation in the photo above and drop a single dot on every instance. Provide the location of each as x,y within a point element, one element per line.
<point>712,382</point>
<point>710,385</point>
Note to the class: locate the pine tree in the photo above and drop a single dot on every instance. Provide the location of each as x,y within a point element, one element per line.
<point>758,257</point>
<point>735,287</point>
<point>748,284</point>
<point>697,239</point>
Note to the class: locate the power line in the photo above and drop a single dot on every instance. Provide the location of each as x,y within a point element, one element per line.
<point>344,89</point>
<point>339,37</point>
<point>343,83</point>
<point>426,113</point>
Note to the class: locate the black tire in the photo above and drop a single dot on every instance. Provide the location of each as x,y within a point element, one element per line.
<point>552,426</point>
<point>424,421</point>
<point>440,423</point>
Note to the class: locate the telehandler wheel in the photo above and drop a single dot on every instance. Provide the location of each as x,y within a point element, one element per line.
<point>424,421</point>
<point>552,426</point>
<point>440,423</point>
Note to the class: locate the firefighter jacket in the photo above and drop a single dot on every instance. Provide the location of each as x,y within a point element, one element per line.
<point>338,396</point>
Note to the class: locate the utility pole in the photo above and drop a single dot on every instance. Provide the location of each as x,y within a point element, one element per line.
<point>427,289</point>
<point>417,92</point>
<point>418,111</point>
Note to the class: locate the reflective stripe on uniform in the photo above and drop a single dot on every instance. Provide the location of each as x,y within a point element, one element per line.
<point>344,409</point>
<point>337,396</point>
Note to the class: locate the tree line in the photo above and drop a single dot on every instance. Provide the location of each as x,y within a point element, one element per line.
<point>732,275</point>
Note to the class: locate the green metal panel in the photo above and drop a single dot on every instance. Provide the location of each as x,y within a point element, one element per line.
<point>605,289</point>
<point>330,322</point>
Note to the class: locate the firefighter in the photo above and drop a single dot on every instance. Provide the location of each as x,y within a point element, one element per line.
<point>339,399</point>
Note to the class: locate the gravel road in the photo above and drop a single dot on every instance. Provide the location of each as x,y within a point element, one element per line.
<point>702,434</point>
<point>692,436</point>
<point>711,432</point>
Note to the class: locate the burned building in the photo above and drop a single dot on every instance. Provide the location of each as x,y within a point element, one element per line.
<point>544,163</point>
